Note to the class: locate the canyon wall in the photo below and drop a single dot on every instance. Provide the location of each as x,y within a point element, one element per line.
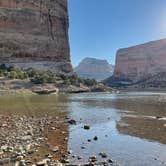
<point>141,61</point>
<point>94,69</point>
<point>34,33</point>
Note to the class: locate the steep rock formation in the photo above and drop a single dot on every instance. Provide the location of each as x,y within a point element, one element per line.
<point>142,61</point>
<point>34,33</point>
<point>94,69</point>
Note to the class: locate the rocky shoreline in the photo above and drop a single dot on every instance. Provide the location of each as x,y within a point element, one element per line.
<point>29,140</point>
<point>38,141</point>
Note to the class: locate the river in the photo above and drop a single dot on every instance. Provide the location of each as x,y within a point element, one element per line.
<point>130,126</point>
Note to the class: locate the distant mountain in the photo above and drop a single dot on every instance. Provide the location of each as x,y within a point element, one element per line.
<point>94,69</point>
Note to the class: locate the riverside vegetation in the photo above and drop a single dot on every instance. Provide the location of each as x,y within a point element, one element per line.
<point>39,77</point>
<point>47,81</point>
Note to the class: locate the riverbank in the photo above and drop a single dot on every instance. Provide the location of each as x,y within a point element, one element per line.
<point>39,141</point>
<point>34,130</point>
<point>89,126</point>
<point>46,82</point>
<point>32,140</point>
<point>18,86</point>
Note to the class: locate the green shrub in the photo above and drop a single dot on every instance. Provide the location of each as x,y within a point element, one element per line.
<point>67,82</point>
<point>63,77</point>
<point>39,77</point>
<point>90,82</point>
<point>1,74</point>
<point>12,75</point>
<point>17,75</point>
<point>42,78</point>
<point>22,75</point>
<point>32,72</point>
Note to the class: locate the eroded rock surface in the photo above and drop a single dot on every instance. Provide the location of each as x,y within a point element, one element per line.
<point>142,61</point>
<point>34,33</point>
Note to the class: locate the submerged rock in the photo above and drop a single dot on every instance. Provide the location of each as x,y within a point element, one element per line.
<point>72,122</point>
<point>92,159</point>
<point>95,138</point>
<point>103,155</point>
<point>86,127</point>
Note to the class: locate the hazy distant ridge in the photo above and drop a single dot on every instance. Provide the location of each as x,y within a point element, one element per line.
<point>94,68</point>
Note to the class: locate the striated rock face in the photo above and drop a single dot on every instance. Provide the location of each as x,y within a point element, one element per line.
<point>94,69</point>
<point>142,61</point>
<point>34,33</point>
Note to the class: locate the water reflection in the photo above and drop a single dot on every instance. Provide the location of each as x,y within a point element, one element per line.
<point>33,105</point>
<point>145,116</point>
<point>130,127</point>
<point>125,124</point>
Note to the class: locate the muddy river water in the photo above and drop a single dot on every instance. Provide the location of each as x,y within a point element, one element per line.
<point>130,127</point>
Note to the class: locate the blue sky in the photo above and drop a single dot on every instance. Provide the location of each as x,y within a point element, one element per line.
<point>99,27</point>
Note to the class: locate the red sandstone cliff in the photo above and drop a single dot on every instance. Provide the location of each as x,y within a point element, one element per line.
<point>34,33</point>
<point>138,62</point>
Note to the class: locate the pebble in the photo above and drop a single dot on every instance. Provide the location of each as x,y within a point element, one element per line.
<point>103,155</point>
<point>65,161</point>
<point>17,163</point>
<point>110,161</point>
<point>70,152</point>
<point>49,156</point>
<point>43,162</point>
<point>5,161</point>
<point>79,157</point>
<point>55,149</point>
<point>22,163</point>
<point>28,147</point>
<point>4,148</point>
<point>53,128</point>
<point>72,122</point>
<point>158,117</point>
<point>95,138</point>
<point>19,158</point>
<point>27,137</point>
<point>93,159</point>
<point>86,127</point>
